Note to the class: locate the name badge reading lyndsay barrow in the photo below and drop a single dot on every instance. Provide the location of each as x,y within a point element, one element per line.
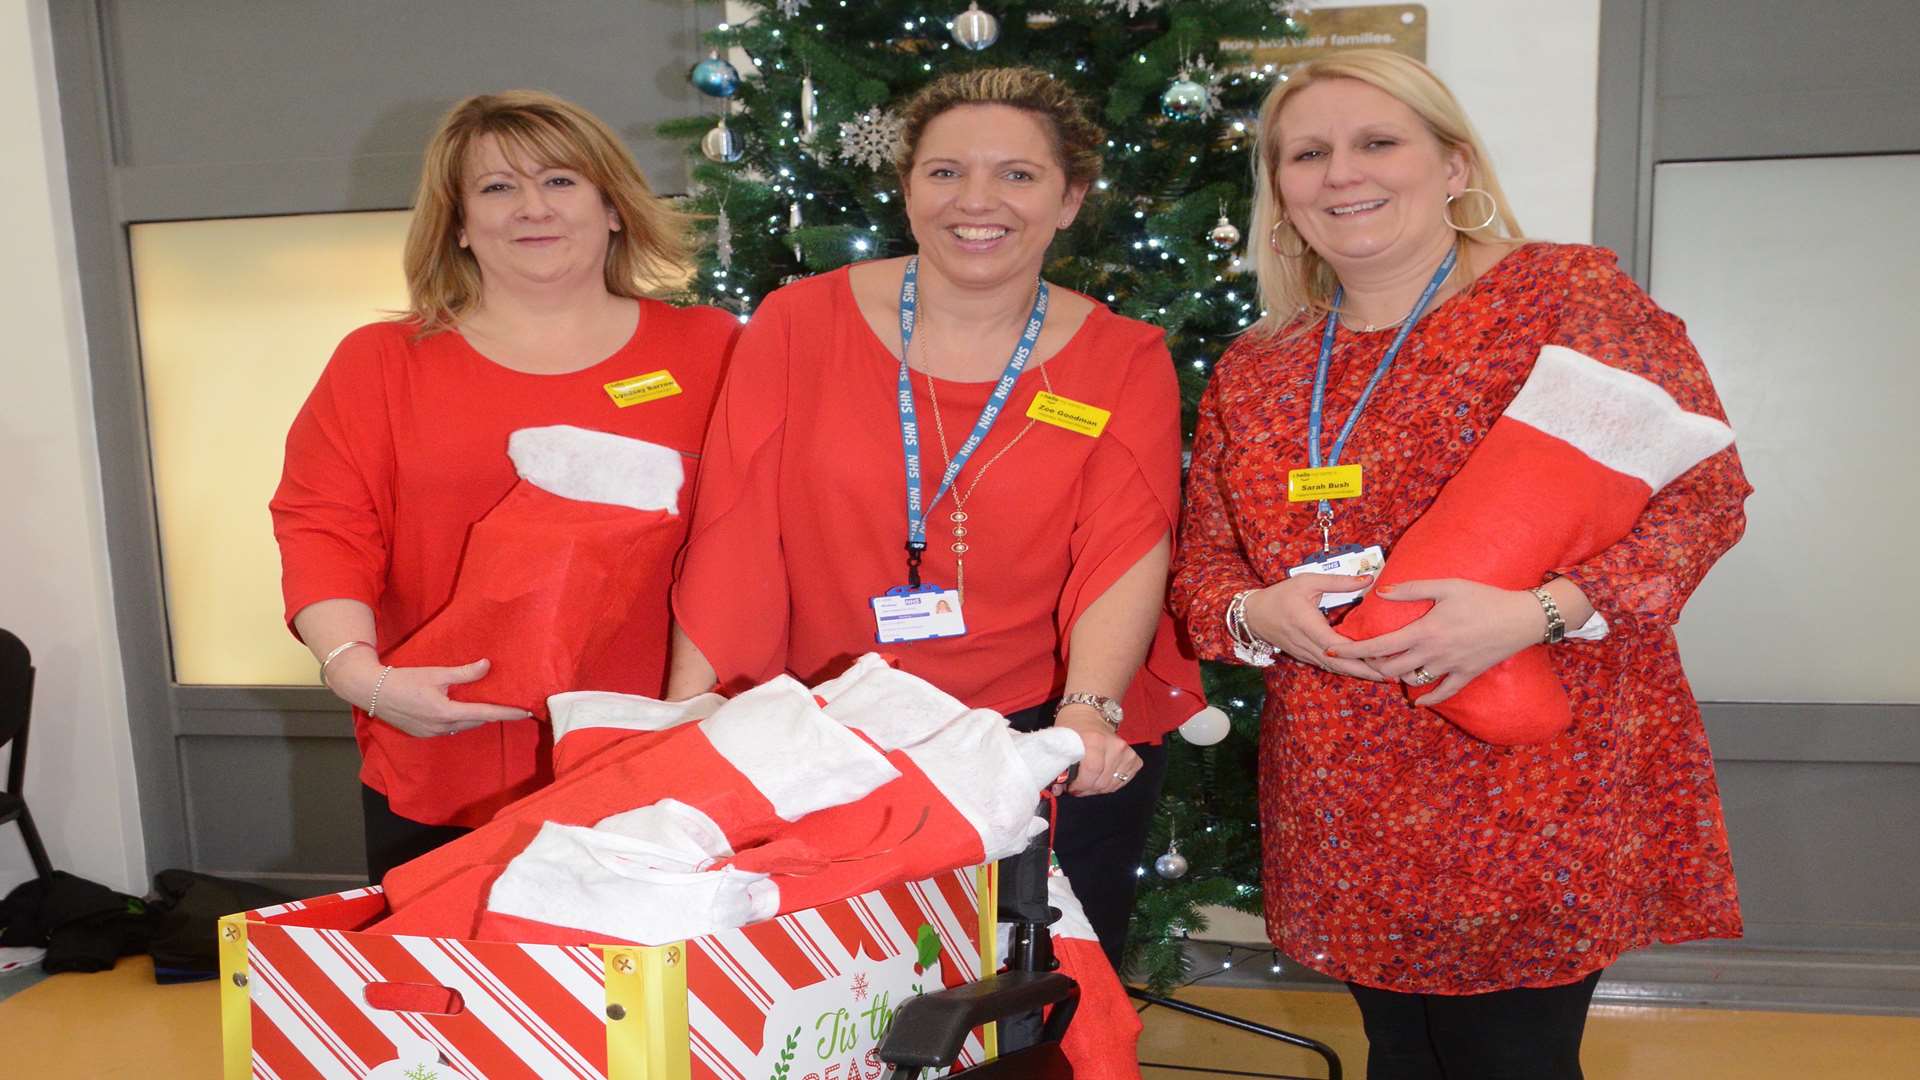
<point>1327,482</point>
<point>638,389</point>
<point>1075,416</point>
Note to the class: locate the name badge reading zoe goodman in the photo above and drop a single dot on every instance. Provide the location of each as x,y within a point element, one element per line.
<point>1075,416</point>
<point>903,613</point>
<point>652,386</point>
<point>1327,482</point>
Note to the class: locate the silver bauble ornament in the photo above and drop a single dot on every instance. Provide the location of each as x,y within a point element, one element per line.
<point>1206,727</point>
<point>1225,234</point>
<point>1171,865</point>
<point>975,29</point>
<point>721,143</point>
<point>1184,100</point>
<point>715,77</point>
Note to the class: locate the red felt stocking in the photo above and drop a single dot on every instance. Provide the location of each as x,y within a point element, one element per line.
<point>1561,476</point>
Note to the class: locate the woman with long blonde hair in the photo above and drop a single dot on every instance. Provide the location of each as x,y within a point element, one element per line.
<point>1468,886</point>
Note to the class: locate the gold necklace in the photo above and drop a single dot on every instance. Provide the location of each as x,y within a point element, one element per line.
<point>959,517</point>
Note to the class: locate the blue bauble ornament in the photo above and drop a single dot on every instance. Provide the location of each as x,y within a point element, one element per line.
<point>715,77</point>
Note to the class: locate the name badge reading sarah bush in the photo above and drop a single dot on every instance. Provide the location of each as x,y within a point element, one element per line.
<point>1327,482</point>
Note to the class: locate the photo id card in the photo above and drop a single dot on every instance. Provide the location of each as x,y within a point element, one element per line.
<point>909,614</point>
<point>1352,560</point>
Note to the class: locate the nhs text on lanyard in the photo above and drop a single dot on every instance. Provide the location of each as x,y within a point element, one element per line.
<point>1324,482</point>
<point>914,611</point>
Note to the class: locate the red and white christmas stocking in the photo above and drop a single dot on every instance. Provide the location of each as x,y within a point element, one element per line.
<point>965,793</point>
<point>545,582</point>
<point>761,760</point>
<point>1103,1041</point>
<point>1561,476</point>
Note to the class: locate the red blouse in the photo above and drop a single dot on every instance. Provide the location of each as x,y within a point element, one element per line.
<point>801,514</point>
<point>1401,852</point>
<point>402,446</point>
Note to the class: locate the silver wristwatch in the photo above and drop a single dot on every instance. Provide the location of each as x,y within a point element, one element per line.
<point>1108,708</point>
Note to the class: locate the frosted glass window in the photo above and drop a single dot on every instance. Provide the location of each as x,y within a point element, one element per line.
<point>237,318</point>
<point>1797,281</point>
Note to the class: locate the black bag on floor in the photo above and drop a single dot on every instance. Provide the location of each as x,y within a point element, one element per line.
<point>186,944</point>
<point>83,925</point>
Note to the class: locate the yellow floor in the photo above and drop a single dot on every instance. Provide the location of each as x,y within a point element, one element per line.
<point>119,1024</point>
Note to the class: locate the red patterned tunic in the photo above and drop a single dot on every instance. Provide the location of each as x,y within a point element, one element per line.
<point>1401,852</point>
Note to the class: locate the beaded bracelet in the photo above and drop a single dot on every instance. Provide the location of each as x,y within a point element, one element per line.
<point>373,703</point>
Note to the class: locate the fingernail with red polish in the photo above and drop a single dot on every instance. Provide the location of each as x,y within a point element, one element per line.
<point>1383,588</point>
<point>1333,654</point>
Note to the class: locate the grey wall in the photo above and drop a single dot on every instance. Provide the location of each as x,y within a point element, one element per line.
<point>1821,799</point>
<point>223,108</point>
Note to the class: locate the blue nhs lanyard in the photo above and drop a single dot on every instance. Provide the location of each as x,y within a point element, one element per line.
<point>1325,517</point>
<point>910,425</point>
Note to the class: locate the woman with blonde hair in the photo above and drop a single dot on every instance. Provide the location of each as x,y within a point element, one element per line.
<point>885,446</point>
<point>1467,886</point>
<point>532,261</point>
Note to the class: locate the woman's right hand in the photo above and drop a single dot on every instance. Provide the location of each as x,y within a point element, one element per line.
<point>414,699</point>
<point>1287,616</point>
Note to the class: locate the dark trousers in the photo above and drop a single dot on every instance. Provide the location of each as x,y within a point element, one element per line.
<point>392,839</point>
<point>1524,1034</point>
<point>1099,839</point>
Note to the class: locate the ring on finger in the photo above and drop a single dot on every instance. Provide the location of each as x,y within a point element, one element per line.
<point>1420,676</point>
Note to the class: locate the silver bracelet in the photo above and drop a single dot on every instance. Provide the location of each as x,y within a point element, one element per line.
<point>334,654</point>
<point>373,703</point>
<point>1248,647</point>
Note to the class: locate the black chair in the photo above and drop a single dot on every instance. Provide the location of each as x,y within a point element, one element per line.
<point>16,704</point>
<point>928,1031</point>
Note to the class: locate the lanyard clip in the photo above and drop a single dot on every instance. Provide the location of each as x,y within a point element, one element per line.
<point>1325,521</point>
<point>914,551</point>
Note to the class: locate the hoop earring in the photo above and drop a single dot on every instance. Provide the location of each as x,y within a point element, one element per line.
<point>1274,245</point>
<point>1493,210</point>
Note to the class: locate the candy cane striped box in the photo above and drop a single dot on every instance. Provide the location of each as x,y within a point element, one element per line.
<point>305,993</point>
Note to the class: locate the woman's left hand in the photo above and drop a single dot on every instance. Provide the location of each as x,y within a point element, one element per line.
<point>1109,762</point>
<point>1470,628</point>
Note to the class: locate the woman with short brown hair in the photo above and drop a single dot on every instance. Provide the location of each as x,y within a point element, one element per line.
<point>1041,435</point>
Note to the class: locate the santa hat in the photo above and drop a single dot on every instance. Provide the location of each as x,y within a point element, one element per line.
<point>545,583</point>
<point>1562,475</point>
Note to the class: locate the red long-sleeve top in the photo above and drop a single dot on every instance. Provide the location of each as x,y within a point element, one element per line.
<point>801,515</point>
<point>402,446</point>
<point>1401,852</point>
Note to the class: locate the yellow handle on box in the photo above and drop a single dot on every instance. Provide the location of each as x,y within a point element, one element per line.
<point>647,1012</point>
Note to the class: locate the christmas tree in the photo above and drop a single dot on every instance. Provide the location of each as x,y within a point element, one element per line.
<point>794,172</point>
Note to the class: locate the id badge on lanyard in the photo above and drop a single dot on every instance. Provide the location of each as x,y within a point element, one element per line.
<point>1325,482</point>
<point>905,613</point>
<point>917,611</point>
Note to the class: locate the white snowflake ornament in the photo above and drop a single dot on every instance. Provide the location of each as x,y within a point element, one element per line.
<point>1132,8</point>
<point>871,139</point>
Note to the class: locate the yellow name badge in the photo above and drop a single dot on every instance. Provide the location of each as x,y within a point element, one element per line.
<point>1077,416</point>
<point>652,386</point>
<point>1328,482</point>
